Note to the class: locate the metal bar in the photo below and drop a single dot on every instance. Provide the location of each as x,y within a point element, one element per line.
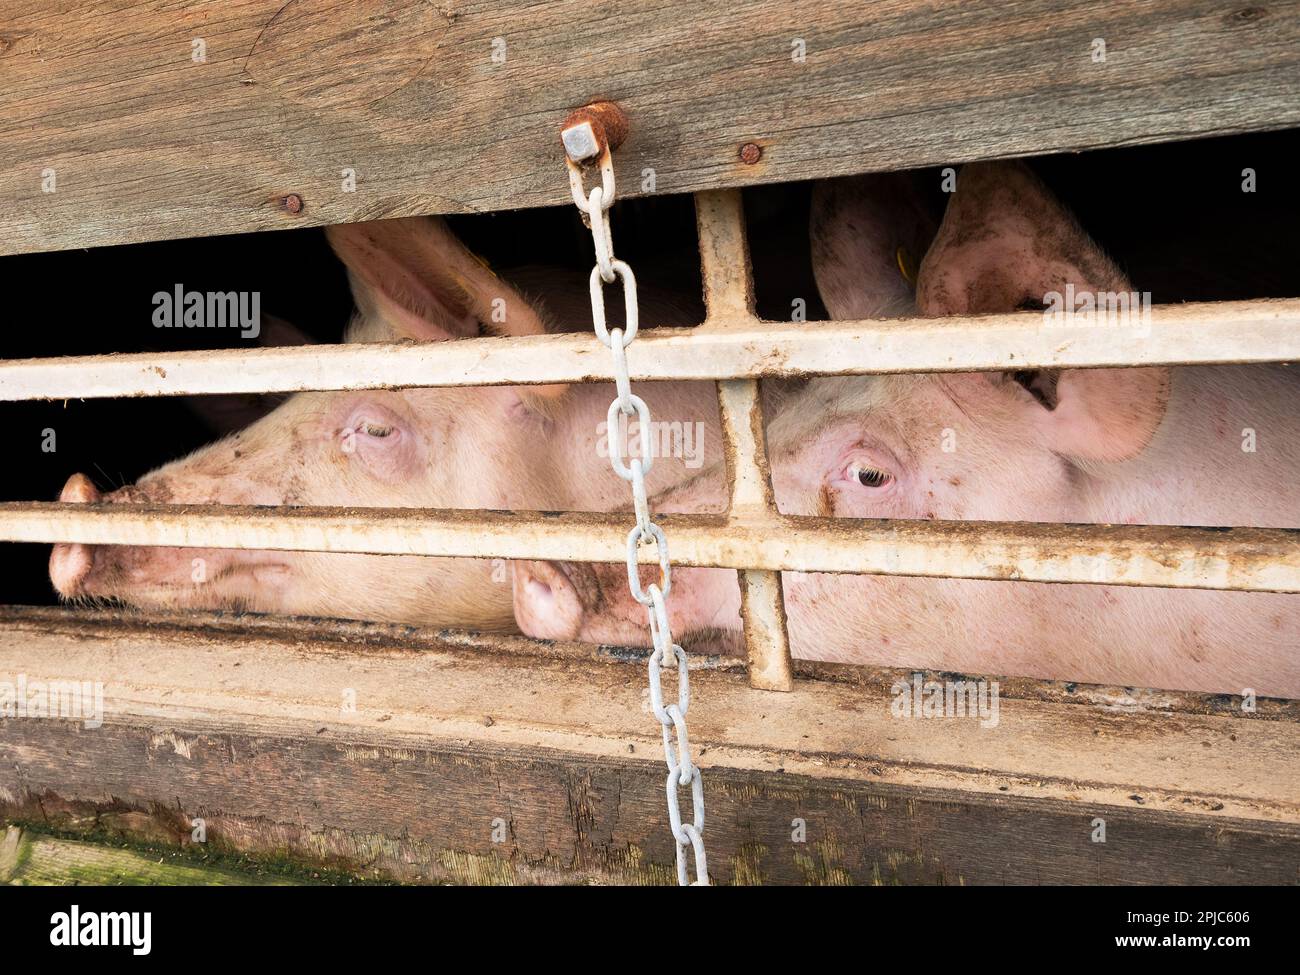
<point>724,258</point>
<point>744,445</point>
<point>767,640</point>
<point>1253,559</point>
<point>738,347</point>
<point>729,297</point>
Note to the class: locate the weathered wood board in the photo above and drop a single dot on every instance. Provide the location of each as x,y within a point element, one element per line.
<point>472,761</point>
<point>133,121</point>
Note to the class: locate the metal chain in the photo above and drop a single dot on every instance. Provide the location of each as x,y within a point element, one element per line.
<point>672,717</point>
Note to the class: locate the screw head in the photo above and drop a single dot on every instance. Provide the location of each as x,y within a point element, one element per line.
<point>580,141</point>
<point>750,153</point>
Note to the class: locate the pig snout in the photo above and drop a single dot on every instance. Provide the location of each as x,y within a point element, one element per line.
<point>546,601</point>
<point>71,562</point>
<point>592,603</point>
<point>157,575</point>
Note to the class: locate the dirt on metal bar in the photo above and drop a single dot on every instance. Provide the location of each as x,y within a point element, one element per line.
<point>1191,334</point>
<point>729,296</point>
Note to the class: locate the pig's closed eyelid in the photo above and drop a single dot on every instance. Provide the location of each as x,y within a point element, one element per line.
<point>377,424</point>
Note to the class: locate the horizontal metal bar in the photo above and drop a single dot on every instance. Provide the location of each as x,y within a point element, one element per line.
<point>1259,559</point>
<point>1227,332</point>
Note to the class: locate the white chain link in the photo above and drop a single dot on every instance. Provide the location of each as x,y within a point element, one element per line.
<point>672,717</point>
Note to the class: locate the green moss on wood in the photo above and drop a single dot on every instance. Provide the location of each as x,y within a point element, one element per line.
<point>134,862</point>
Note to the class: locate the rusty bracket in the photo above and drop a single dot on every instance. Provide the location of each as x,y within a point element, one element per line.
<point>591,131</point>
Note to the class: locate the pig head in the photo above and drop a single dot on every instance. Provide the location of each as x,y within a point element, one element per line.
<point>1142,445</point>
<point>488,447</point>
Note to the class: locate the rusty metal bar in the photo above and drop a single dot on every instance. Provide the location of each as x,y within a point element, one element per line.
<point>729,297</point>
<point>724,258</point>
<point>1252,559</point>
<point>744,443</point>
<point>738,347</point>
<point>762,599</point>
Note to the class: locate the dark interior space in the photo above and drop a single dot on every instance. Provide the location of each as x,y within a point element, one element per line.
<point>1174,216</point>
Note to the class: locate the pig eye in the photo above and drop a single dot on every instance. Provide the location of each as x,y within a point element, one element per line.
<point>376,430</point>
<point>869,477</point>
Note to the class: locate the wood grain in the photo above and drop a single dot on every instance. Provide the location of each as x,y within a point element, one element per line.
<point>247,732</point>
<point>147,144</point>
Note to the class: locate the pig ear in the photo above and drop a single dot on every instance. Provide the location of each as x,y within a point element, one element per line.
<point>1103,415</point>
<point>868,236</point>
<point>412,278</point>
<point>1004,244</point>
<point>416,278</point>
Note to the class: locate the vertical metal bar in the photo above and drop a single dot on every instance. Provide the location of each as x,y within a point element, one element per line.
<point>724,258</point>
<point>729,301</point>
<point>762,601</point>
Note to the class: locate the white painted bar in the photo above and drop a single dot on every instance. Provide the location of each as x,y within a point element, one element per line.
<point>1256,559</point>
<point>734,348</point>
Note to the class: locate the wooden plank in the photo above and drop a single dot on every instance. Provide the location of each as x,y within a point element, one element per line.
<point>30,859</point>
<point>445,747</point>
<point>148,144</point>
<point>1190,334</point>
<point>1242,559</point>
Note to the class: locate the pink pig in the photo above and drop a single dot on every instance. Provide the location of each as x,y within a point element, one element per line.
<point>490,447</point>
<point>1188,446</point>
